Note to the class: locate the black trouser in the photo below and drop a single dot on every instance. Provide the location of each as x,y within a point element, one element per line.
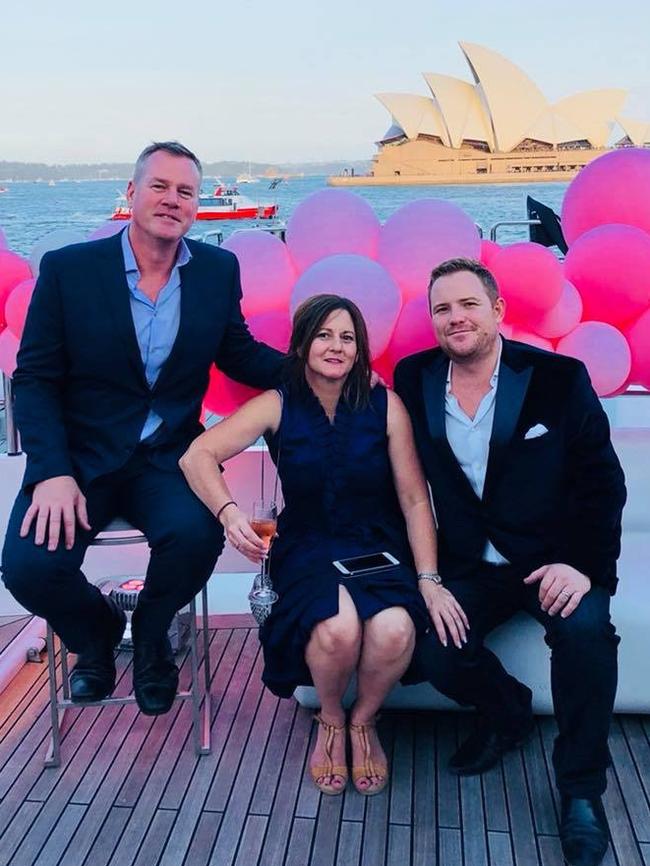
<point>583,671</point>
<point>184,537</point>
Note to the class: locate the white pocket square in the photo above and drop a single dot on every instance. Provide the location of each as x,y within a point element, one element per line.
<point>534,432</point>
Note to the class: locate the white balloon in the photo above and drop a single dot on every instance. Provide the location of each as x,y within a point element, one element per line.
<point>53,241</point>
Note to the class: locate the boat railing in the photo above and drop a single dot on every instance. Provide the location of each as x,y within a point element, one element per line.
<point>207,237</point>
<point>216,236</point>
<point>495,228</point>
<point>13,439</point>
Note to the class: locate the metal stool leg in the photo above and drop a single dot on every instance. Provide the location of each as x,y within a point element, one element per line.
<point>195,691</point>
<point>53,755</point>
<point>207,698</point>
<point>65,672</point>
<point>200,721</point>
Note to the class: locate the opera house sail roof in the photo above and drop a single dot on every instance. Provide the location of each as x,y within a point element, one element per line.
<point>496,127</point>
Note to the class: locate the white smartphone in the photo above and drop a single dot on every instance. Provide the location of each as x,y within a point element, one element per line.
<point>364,564</point>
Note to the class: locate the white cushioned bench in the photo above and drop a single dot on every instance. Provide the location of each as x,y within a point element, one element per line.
<point>520,642</point>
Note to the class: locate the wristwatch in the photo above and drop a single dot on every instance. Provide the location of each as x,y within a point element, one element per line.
<point>433,576</point>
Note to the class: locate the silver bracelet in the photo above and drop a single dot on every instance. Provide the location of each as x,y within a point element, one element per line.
<point>433,576</point>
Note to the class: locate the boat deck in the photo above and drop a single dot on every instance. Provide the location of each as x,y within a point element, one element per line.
<point>130,790</point>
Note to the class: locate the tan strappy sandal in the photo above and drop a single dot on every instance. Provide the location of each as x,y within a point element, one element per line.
<point>369,768</point>
<point>329,769</point>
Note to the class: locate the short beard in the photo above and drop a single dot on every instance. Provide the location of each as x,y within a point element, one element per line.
<point>482,348</point>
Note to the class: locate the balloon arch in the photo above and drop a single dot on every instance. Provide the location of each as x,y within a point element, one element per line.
<point>594,306</point>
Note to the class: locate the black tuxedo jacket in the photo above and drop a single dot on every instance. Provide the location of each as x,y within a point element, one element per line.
<point>81,393</point>
<point>557,497</point>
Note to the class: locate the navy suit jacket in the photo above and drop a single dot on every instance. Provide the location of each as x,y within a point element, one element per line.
<point>81,393</point>
<point>557,497</point>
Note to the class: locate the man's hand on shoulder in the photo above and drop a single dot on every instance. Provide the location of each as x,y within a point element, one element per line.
<point>561,587</point>
<point>56,501</point>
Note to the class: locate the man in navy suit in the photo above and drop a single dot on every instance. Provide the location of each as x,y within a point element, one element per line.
<point>112,369</point>
<point>528,494</point>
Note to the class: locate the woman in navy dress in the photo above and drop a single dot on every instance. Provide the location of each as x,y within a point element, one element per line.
<point>352,485</point>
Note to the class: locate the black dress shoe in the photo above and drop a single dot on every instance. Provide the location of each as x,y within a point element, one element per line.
<point>155,676</point>
<point>485,747</point>
<point>584,832</point>
<point>93,676</point>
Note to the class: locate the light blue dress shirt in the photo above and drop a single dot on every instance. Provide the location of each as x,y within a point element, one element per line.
<point>469,439</point>
<point>156,322</point>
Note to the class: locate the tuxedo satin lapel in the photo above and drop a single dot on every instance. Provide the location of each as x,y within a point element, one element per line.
<point>116,292</point>
<point>511,392</point>
<point>434,380</point>
<point>434,386</point>
<point>190,308</point>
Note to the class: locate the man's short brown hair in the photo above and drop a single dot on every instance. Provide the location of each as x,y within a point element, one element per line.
<point>455,266</point>
<point>174,148</point>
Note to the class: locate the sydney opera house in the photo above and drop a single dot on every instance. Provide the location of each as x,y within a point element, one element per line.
<point>496,128</point>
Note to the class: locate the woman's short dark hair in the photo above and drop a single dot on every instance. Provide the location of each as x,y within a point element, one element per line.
<point>307,322</point>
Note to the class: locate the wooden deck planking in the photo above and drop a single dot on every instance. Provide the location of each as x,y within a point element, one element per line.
<point>10,627</point>
<point>131,791</point>
<point>178,739</point>
<point>349,849</point>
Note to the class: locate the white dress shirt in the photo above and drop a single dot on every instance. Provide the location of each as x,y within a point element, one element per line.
<point>469,439</point>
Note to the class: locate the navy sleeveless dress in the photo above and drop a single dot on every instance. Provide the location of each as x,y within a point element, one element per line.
<point>340,501</point>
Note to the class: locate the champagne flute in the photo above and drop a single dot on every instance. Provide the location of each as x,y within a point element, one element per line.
<point>264,523</point>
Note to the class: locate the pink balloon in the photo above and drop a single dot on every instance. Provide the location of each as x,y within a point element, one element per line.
<point>610,267</point>
<point>638,337</point>
<point>9,344</point>
<point>384,366</point>
<point>421,235</point>
<point>361,280</point>
<point>615,188</point>
<point>489,249</point>
<point>413,331</point>
<point>563,317</point>
<point>604,351</point>
<point>267,273</point>
<point>530,279</point>
<point>224,396</point>
<point>331,222</point>
<point>107,229</point>
<point>523,336</point>
<point>13,270</point>
<point>16,306</point>
<point>272,328</point>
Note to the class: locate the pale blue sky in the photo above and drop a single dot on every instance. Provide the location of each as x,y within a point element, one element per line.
<point>276,81</point>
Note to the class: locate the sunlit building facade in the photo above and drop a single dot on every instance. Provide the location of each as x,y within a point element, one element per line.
<point>496,128</point>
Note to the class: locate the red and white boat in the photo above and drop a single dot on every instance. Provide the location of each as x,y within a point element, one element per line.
<point>225,203</point>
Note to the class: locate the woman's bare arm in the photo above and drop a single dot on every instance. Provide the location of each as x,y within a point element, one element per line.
<point>411,487</point>
<point>413,494</point>
<point>200,465</point>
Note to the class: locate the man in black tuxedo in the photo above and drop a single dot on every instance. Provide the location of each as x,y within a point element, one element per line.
<point>528,494</point>
<point>112,369</point>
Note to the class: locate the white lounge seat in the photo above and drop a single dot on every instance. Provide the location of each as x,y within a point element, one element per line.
<point>520,642</point>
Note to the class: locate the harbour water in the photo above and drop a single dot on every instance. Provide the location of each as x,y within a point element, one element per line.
<point>28,211</point>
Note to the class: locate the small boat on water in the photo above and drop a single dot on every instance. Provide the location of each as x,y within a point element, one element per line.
<point>247,177</point>
<point>224,203</point>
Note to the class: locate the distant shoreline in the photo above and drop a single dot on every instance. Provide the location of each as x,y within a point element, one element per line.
<point>35,172</point>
